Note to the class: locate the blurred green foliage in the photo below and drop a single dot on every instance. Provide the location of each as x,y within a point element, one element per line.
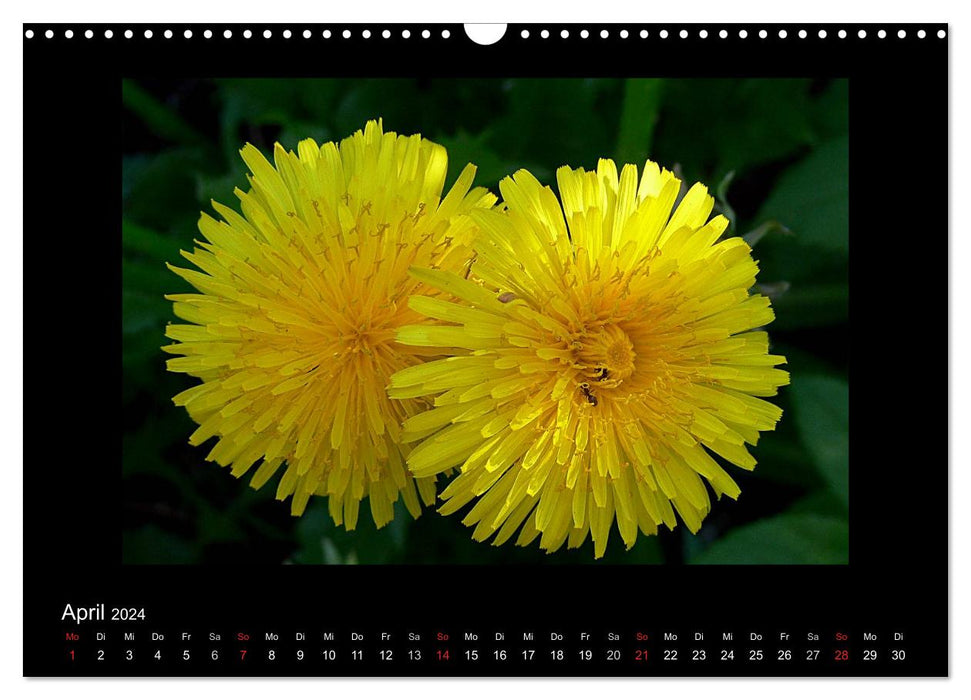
<point>775,152</point>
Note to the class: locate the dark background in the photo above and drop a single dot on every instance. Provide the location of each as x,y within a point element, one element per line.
<point>774,151</point>
<point>897,577</point>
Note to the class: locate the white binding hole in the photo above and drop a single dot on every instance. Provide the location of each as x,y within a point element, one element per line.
<point>524,34</point>
<point>901,34</point>
<point>921,34</point>
<point>386,34</point>
<point>882,34</point>
<point>207,34</point>
<point>167,34</point>
<point>643,34</point>
<point>29,34</point>
<point>267,33</point>
<point>941,34</point>
<point>604,33</point>
<point>366,34</point>
<point>822,34</point>
<point>584,34</point>
<point>307,34</point>
<point>287,33</point>
<point>49,34</point>
<point>405,34</point>
<point>109,33</point>
<point>148,33</point>
<point>68,34</point>
<point>624,34</point>
<point>742,34</point>
<point>425,34</point>
<point>703,33</point>
<point>723,34</point>
<point>861,33</point>
<point>346,34</point>
<point>783,34</point>
<point>88,34</point>
<point>187,33</point>
<point>326,34</point>
<point>227,34</point>
<point>484,34</point>
<point>763,34</point>
<point>663,34</point>
<point>446,34</point>
<point>247,33</point>
<point>841,34</point>
<point>544,34</point>
<point>803,33</point>
<point>564,34</point>
<point>684,34</point>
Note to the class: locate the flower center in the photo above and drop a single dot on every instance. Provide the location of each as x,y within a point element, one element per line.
<point>367,339</point>
<point>606,356</point>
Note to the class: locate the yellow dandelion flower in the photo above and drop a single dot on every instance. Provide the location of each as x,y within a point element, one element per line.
<point>612,352</point>
<point>293,331</point>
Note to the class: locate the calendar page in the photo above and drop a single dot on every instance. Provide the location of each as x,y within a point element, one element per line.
<point>497,350</point>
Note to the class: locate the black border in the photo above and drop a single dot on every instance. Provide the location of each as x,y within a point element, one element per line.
<point>898,219</point>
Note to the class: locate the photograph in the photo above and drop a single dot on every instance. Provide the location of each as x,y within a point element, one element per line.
<point>485,321</point>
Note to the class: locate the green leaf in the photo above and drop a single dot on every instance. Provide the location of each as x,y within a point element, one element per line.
<point>812,197</point>
<point>247,104</point>
<point>784,539</point>
<point>151,277</point>
<point>811,200</point>
<point>159,192</point>
<point>556,122</point>
<point>831,113</point>
<point>322,542</point>
<point>398,103</point>
<point>143,325</point>
<point>151,244</point>
<point>721,200</point>
<point>638,116</point>
<point>646,550</point>
<point>143,447</point>
<point>221,188</point>
<point>259,101</point>
<point>818,278</point>
<point>153,545</point>
<point>296,131</point>
<point>757,234</point>
<point>810,304</point>
<point>464,148</point>
<point>217,526</point>
<point>132,170</point>
<point>141,311</point>
<point>782,459</point>
<point>820,502</point>
<point>821,408</point>
<point>712,126</point>
<point>159,119</point>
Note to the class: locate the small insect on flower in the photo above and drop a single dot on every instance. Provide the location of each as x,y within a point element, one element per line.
<point>613,353</point>
<point>301,295</point>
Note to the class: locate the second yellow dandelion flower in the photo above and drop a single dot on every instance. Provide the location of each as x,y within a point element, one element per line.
<point>614,350</point>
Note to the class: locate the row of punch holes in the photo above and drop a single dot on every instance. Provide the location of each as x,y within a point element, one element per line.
<point>246,34</point>
<point>524,34</point>
<point>725,33</point>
